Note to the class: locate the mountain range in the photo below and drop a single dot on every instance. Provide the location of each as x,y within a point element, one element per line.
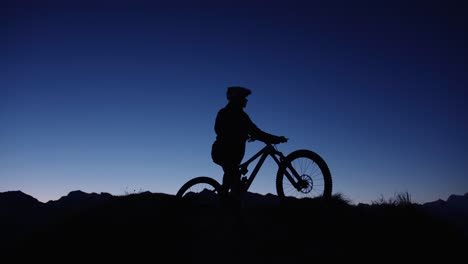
<point>158,225</point>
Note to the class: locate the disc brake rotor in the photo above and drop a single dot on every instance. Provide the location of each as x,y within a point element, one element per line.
<point>306,183</point>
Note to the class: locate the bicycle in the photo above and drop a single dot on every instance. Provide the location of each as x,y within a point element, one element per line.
<point>292,180</point>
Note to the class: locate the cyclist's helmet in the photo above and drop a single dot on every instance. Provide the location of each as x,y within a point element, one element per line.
<point>237,93</point>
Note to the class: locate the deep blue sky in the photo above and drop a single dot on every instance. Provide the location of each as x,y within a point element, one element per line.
<point>119,96</point>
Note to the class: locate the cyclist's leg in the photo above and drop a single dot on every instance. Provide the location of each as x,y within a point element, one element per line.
<point>229,177</point>
<point>231,183</point>
<point>236,187</point>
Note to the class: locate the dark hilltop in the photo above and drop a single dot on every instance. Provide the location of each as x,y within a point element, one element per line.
<point>159,227</point>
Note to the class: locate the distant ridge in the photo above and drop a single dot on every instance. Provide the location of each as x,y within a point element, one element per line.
<point>17,202</point>
<point>454,210</point>
<point>16,198</point>
<point>80,198</point>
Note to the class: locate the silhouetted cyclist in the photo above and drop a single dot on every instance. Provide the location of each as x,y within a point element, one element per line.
<point>233,128</point>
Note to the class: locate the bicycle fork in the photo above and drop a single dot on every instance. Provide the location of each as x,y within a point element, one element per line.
<point>295,179</point>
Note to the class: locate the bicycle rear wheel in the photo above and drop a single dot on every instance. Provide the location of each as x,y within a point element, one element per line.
<point>315,177</point>
<point>204,189</point>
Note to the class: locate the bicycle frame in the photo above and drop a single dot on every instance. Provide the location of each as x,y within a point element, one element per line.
<point>278,157</point>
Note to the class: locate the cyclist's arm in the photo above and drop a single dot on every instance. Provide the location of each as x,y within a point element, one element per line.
<point>258,134</point>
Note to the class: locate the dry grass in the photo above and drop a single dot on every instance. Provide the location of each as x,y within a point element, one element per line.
<point>399,199</point>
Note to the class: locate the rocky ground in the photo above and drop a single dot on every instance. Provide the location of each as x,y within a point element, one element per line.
<point>160,228</point>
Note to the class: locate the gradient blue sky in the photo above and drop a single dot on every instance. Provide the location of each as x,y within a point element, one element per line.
<point>117,96</point>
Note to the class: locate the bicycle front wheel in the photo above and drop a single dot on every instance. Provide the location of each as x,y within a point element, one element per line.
<point>314,180</point>
<point>200,189</point>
